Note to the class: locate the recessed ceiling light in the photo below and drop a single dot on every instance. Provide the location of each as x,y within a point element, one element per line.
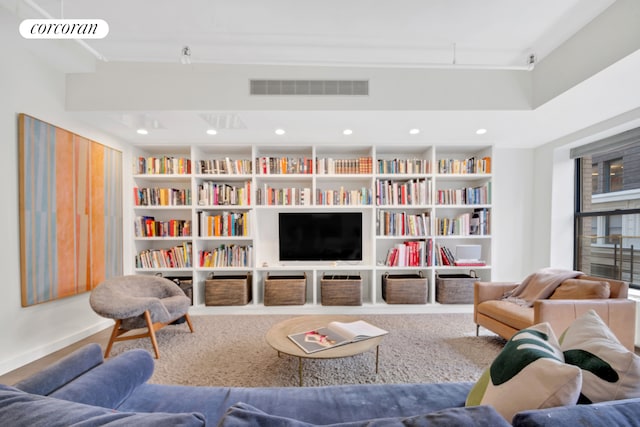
<point>211,132</point>
<point>347,132</point>
<point>414,131</point>
<point>142,131</point>
<point>481,131</point>
<point>280,132</point>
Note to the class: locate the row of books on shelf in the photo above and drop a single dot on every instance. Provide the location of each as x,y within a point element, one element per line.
<point>391,223</point>
<point>148,226</point>
<point>305,165</point>
<point>361,165</point>
<point>176,257</point>
<point>403,166</point>
<point>269,196</point>
<point>226,256</point>
<point>146,196</point>
<point>466,224</point>
<point>162,165</point>
<point>479,195</point>
<point>226,166</point>
<point>284,165</point>
<point>223,224</point>
<point>465,166</point>
<point>344,197</point>
<point>445,257</point>
<point>414,253</point>
<point>217,193</point>
<point>411,192</point>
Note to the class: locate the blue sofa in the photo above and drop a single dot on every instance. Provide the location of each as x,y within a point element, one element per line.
<point>84,390</point>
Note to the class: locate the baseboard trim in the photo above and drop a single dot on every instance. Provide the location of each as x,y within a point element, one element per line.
<point>45,350</point>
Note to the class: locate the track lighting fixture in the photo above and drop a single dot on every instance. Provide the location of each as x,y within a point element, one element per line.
<point>185,57</point>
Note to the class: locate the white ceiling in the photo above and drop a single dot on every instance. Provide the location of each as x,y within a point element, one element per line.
<point>353,32</point>
<point>450,34</point>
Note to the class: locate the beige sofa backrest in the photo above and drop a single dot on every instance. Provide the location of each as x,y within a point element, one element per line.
<point>618,288</point>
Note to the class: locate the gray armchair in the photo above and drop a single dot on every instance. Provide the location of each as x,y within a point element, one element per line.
<point>137,302</point>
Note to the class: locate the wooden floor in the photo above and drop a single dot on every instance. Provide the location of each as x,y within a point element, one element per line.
<point>13,377</point>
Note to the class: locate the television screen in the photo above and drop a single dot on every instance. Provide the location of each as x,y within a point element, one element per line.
<point>320,236</point>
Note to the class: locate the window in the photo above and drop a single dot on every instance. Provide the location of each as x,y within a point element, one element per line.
<point>607,215</point>
<point>612,175</point>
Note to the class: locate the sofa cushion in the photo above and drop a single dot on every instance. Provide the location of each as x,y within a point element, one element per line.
<point>582,289</point>
<point>609,370</point>
<point>244,415</point>
<point>605,414</point>
<point>514,315</point>
<point>18,409</point>
<point>529,373</point>
<point>110,383</point>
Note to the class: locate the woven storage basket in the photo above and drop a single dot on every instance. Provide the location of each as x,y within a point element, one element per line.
<point>404,288</point>
<point>185,283</point>
<point>285,290</point>
<point>341,290</point>
<point>455,288</point>
<point>228,290</point>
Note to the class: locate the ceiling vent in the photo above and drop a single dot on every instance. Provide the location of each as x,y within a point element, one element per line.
<point>310,87</point>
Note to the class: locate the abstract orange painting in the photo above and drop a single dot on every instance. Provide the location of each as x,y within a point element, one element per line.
<point>70,212</point>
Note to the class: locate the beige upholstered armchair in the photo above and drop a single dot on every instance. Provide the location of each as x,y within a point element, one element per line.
<point>505,318</point>
<point>137,302</point>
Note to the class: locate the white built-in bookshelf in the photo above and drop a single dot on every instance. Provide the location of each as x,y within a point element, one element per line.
<point>203,210</point>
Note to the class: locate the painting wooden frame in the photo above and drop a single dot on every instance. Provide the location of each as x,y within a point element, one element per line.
<point>70,212</point>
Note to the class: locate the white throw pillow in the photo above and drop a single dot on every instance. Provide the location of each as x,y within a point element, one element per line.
<point>609,370</point>
<point>529,373</point>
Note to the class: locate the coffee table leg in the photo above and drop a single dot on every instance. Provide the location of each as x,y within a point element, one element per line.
<point>377,357</point>
<point>300,369</point>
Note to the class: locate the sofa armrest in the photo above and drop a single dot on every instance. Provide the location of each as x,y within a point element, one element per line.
<point>111,383</point>
<point>619,314</point>
<point>63,371</point>
<point>487,291</point>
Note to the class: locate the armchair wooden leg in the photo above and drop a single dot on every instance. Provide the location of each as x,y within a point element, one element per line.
<point>188,319</point>
<point>152,333</point>
<point>477,330</point>
<point>112,339</point>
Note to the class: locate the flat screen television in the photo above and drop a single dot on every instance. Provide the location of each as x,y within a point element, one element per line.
<point>320,236</point>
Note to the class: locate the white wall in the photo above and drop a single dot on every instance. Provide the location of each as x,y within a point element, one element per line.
<point>30,86</point>
<point>512,212</point>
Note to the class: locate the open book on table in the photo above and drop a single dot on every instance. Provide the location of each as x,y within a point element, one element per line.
<point>335,334</point>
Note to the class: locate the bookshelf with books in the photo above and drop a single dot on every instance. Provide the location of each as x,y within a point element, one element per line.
<point>463,197</point>
<point>220,203</point>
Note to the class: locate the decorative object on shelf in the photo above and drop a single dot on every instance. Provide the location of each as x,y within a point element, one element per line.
<point>70,212</point>
<point>228,289</point>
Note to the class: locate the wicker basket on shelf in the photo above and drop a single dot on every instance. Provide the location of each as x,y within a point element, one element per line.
<point>285,290</point>
<point>455,288</point>
<point>404,288</point>
<point>228,290</point>
<point>341,290</point>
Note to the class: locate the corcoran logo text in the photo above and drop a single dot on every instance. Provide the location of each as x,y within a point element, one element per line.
<point>64,29</point>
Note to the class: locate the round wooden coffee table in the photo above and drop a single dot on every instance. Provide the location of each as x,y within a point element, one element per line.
<point>278,338</point>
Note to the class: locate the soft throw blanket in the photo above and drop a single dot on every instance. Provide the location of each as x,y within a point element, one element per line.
<point>539,285</point>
